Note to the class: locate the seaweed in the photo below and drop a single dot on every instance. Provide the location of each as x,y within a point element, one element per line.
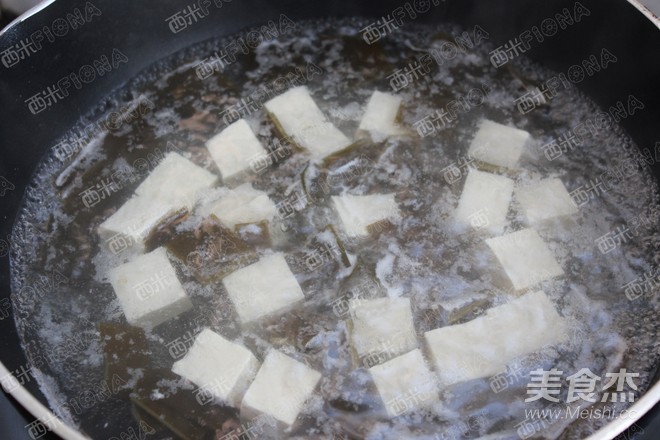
<point>211,251</point>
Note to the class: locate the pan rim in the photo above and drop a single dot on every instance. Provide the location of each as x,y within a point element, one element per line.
<point>40,411</point>
<point>25,15</point>
<point>646,11</point>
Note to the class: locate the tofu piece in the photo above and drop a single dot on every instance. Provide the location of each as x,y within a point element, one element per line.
<point>134,220</point>
<point>484,346</point>
<point>545,200</point>
<point>233,147</point>
<point>299,117</point>
<point>148,289</point>
<point>219,367</point>
<point>173,186</point>
<point>382,326</point>
<point>485,201</point>
<point>405,383</point>
<point>379,118</point>
<point>240,205</point>
<point>498,144</point>
<point>280,389</point>
<point>358,212</point>
<point>525,258</point>
<point>176,181</point>
<point>264,288</point>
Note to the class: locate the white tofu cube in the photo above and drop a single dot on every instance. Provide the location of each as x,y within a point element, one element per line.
<point>525,258</point>
<point>485,201</point>
<point>264,288</point>
<point>379,118</point>
<point>382,327</point>
<point>498,144</point>
<point>298,115</point>
<point>358,212</point>
<point>133,221</point>
<point>233,148</point>
<point>280,389</point>
<point>405,383</point>
<point>484,346</point>
<point>148,289</point>
<point>174,185</point>
<point>545,200</point>
<point>242,204</point>
<point>176,181</point>
<point>218,367</point>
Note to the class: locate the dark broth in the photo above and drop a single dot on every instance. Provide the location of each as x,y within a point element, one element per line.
<point>71,323</point>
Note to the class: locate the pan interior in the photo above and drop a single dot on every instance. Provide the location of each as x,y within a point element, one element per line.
<point>65,306</point>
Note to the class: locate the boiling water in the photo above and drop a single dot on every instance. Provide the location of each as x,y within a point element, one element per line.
<point>64,302</point>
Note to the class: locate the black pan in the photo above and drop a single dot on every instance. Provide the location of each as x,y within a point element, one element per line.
<point>139,29</point>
